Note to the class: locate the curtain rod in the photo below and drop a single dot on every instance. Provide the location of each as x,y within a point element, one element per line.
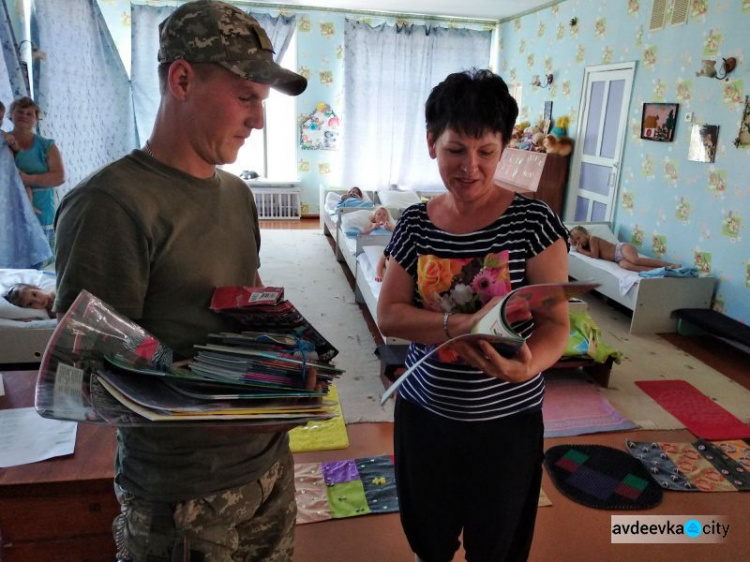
<point>294,7</point>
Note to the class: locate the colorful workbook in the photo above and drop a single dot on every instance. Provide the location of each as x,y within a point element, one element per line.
<point>503,324</point>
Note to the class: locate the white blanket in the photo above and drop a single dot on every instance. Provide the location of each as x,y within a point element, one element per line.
<point>626,279</point>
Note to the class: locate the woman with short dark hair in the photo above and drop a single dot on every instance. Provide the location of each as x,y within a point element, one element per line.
<point>468,422</point>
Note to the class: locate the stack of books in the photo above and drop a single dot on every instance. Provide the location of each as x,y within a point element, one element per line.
<point>101,367</point>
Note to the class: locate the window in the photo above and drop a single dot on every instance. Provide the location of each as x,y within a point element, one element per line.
<point>272,152</point>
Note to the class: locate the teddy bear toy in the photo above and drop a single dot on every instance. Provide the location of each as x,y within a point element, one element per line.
<point>553,145</point>
<point>561,126</point>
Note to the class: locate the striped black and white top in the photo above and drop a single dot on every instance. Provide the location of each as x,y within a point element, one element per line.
<point>461,272</point>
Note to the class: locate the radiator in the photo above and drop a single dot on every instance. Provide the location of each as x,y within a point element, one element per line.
<point>277,203</point>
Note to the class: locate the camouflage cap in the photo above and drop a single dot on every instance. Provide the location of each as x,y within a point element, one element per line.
<point>216,32</point>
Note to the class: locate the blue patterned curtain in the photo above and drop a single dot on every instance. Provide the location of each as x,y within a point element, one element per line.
<point>84,90</point>
<point>12,84</point>
<point>384,134</point>
<point>145,22</point>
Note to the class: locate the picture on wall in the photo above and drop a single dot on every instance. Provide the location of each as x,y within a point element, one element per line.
<point>658,121</point>
<point>703,141</point>
<point>743,139</point>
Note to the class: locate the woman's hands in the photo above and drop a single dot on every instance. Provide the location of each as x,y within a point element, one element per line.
<point>481,355</point>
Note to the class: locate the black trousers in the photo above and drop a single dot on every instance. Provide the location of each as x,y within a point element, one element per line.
<point>482,478</point>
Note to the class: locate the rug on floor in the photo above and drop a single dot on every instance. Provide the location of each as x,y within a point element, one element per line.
<point>700,466</point>
<point>321,435</point>
<point>651,357</point>
<point>350,488</point>
<point>601,477</point>
<point>303,263</point>
<point>574,405</point>
<point>701,415</point>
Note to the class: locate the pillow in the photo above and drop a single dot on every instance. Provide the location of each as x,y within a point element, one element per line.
<point>10,311</point>
<point>354,222</point>
<point>602,231</point>
<point>398,199</point>
<point>332,199</point>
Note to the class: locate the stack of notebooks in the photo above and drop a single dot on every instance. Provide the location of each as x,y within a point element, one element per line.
<point>101,367</point>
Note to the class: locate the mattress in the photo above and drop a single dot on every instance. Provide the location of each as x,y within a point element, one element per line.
<point>626,279</point>
<point>368,261</point>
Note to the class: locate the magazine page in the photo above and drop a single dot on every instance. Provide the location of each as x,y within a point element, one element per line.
<point>502,324</point>
<point>89,331</point>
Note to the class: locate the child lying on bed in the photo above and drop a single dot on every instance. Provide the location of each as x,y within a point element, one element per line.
<point>31,296</point>
<point>380,218</point>
<point>623,254</point>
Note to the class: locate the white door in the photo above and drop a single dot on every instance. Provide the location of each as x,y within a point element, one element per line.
<point>595,170</point>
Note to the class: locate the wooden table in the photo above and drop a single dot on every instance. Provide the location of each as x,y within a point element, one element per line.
<point>59,509</point>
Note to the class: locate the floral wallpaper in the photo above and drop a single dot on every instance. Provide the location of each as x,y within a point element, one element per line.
<point>685,211</point>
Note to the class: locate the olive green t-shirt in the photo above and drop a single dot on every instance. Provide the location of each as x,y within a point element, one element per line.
<point>153,243</point>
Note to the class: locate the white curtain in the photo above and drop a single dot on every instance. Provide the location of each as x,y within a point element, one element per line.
<point>389,72</point>
<point>12,84</point>
<point>84,90</point>
<point>145,22</point>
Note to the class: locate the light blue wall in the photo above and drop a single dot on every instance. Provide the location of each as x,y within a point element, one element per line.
<point>697,211</point>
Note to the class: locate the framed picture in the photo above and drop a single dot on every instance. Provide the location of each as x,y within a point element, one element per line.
<point>743,138</point>
<point>548,110</point>
<point>703,140</point>
<point>658,121</point>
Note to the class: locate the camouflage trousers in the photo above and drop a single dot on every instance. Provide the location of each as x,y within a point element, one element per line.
<point>253,522</point>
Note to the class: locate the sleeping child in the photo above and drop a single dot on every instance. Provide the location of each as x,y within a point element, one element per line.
<point>380,218</point>
<point>31,296</point>
<point>623,254</point>
<point>353,192</point>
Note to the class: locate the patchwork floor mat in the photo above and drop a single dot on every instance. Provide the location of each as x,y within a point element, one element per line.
<point>700,466</point>
<point>601,477</point>
<point>350,488</point>
<point>574,405</point>
<point>701,415</point>
<point>321,435</point>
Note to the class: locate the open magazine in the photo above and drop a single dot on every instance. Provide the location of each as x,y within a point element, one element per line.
<point>503,325</point>
<point>101,367</point>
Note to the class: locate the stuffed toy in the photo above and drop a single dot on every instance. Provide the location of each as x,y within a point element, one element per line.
<point>562,146</point>
<point>561,126</point>
<point>537,140</point>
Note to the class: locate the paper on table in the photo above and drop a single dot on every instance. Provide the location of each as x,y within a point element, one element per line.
<point>27,437</point>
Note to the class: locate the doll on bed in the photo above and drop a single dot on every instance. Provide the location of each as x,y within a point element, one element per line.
<point>623,254</point>
<point>380,218</point>
<point>31,296</point>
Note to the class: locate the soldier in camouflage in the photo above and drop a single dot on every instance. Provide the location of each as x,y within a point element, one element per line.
<point>153,234</point>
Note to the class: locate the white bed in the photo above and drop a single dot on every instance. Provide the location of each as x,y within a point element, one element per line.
<point>368,250</point>
<point>23,332</point>
<point>330,213</point>
<point>651,299</point>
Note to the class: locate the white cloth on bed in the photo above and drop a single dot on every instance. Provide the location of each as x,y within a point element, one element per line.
<point>625,279</point>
